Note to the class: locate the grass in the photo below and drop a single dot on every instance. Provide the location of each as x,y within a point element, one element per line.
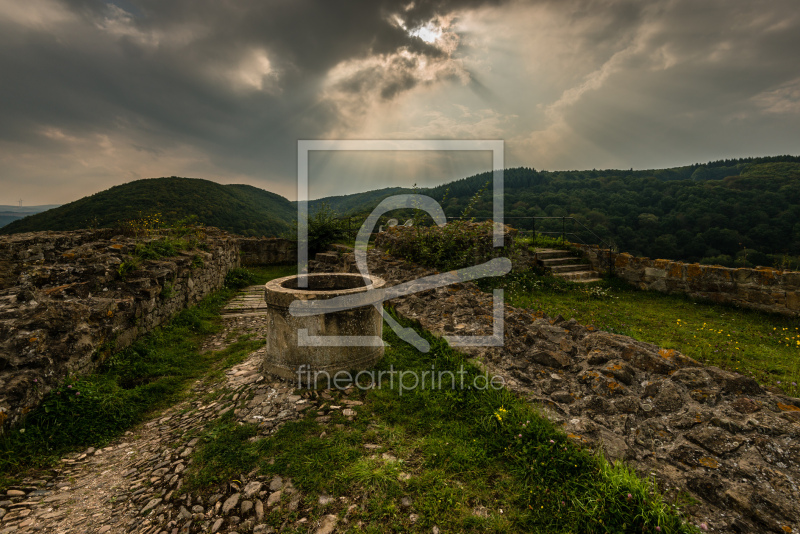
<point>765,346</point>
<point>249,276</point>
<point>469,460</point>
<point>164,246</point>
<point>544,241</point>
<point>129,386</point>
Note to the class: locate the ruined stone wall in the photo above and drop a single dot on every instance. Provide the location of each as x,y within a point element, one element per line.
<point>62,299</point>
<point>763,289</point>
<point>732,444</point>
<point>267,251</point>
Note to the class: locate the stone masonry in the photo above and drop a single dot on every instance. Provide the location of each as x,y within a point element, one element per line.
<point>63,302</point>
<point>266,250</point>
<point>764,289</point>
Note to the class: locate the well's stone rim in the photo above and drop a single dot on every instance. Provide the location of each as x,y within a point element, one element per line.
<point>277,295</point>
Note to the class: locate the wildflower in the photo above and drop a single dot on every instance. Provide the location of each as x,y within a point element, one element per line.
<point>630,496</point>
<point>703,526</point>
<point>551,441</point>
<point>77,393</point>
<point>658,529</point>
<point>69,386</point>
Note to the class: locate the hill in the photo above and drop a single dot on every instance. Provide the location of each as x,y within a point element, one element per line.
<point>739,212</point>
<point>241,209</point>
<point>12,213</point>
<point>732,212</point>
<point>356,203</point>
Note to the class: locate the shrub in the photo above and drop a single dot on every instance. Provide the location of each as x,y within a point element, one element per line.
<point>456,245</point>
<point>324,227</point>
<point>239,278</point>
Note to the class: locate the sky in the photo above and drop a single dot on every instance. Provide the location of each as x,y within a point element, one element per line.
<point>97,93</point>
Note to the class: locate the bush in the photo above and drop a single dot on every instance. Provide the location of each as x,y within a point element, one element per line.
<point>324,227</point>
<point>456,245</point>
<point>239,278</point>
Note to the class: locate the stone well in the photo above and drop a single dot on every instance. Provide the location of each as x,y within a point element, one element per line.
<point>297,356</point>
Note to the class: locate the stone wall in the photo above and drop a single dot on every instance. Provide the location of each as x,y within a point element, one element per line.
<point>718,435</point>
<point>267,251</point>
<point>763,289</point>
<point>62,299</point>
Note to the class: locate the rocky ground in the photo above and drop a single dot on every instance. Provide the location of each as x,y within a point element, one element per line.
<point>717,436</point>
<point>135,484</point>
<point>714,435</point>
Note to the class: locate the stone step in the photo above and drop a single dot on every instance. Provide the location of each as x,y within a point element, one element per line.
<point>549,262</point>
<point>249,302</point>
<point>568,268</point>
<point>327,257</point>
<point>580,276</point>
<point>548,253</point>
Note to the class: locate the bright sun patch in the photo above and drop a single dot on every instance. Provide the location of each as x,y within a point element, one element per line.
<point>428,33</point>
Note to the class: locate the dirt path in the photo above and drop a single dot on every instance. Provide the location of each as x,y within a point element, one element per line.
<point>134,484</point>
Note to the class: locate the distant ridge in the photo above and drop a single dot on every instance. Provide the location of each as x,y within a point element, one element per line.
<point>735,212</point>
<point>12,213</point>
<point>237,208</point>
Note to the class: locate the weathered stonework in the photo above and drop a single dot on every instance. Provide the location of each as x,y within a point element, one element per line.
<point>266,250</point>
<point>300,362</point>
<point>764,289</point>
<point>730,443</point>
<point>62,300</point>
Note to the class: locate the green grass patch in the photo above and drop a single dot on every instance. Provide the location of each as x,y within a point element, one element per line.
<point>545,241</point>
<point>242,277</point>
<point>470,460</point>
<point>765,346</point>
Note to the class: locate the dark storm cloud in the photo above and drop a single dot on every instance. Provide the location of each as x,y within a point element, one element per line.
<point>159,69</point>
<point>94,93</point>
<point>693,84</point>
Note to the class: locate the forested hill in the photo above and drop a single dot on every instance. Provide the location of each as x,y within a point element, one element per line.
<point>714,212</point>
<point>242,209</point>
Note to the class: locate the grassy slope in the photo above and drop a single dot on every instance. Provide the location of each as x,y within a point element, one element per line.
<point>765,346</point>
<point>464,449</point>
<point>240,209</point>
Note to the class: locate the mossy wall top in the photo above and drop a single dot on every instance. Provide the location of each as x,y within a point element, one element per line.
<point>764,289</point>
